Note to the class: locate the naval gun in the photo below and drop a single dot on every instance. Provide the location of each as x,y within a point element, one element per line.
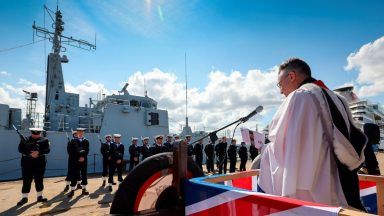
<point>167,173</point>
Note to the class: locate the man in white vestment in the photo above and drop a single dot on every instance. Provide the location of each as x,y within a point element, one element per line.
<point>311,155</point>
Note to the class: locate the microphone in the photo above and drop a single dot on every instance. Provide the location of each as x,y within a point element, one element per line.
<point>250,115</point>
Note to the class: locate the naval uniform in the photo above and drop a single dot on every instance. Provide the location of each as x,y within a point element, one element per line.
<point>168,146</point>
<point>134,152</point>
<point>253,152</point>
<point>232,155</point>
<point>117,153</point>
<point>157,149</point>
<point>209,152</point>
<point>105,150</point>
<point>198,151</point>
<point>78,147</point>
<point>33,168</point>
<point>68,178</point>
<point>221,150</point>
<point>145,151</point>
<point>190,150</point>
<point>243,154</point>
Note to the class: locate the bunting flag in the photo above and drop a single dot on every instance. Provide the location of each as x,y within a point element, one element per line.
<point>368,196</point>
<point>237,197</point>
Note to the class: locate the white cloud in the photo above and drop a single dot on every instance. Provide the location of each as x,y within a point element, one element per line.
<point>369,61</point>
<point>5,73</point>
<point>226,98</point>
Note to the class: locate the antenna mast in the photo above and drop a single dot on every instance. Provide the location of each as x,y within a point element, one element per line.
<point>186,90</point>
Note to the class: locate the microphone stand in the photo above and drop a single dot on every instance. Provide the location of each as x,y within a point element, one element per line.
<point>213,135</point>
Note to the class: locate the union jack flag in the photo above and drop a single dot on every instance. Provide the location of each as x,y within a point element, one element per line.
<point>238,197</point>
<point>368,196</point>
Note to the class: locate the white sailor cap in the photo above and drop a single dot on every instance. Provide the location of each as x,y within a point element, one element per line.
<point>74,132</point>
<point>117,135</point>
<point>80,129</point>
<point>159,136</point>
<point>169,135</point>
<point>134,138</point>
<point>187,136</point>
<point>145,138</point>
<point>107,135</point>
<point>36,129</point>
<point>176,135</point>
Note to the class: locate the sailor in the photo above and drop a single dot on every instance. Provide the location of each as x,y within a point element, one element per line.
<point>232,155</point>
<point>210,153</point>
<point>243,154</point>
<point>168,143</point>
<point>145,149</point>
<point>189,145</point>
<point>134,152</point>
<point>67,179</point>
<point>253,152</point>
<point>222,155</point>
<point>198,151</point>
<point>78,152</point>
<point>315,149</point>
<point>117,156</point>
<point>176,138</point>
<point>33,163</point>
<point>105,151</point>
<point>158,145</point>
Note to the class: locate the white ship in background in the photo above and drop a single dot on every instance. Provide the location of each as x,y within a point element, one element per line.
<point>129,115</point>
<point>363,111</point>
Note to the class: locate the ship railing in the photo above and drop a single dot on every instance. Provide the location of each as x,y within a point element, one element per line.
<point>93,164</point>
<point>253,174</point>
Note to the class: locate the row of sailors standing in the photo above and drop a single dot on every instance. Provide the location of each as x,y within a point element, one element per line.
<point>222,153</point>
<point>112,151</point>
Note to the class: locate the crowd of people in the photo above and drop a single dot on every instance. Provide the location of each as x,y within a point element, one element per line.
<point>314,155</point>
<point>112,151</point>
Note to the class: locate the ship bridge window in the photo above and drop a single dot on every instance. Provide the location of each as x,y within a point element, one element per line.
<point>134,103</point>
<point>145,104</point>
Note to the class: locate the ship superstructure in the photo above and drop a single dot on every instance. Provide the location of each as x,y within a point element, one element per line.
<point>123,113</point>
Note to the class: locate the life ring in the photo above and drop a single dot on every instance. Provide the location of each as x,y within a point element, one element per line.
<point>130,193</point>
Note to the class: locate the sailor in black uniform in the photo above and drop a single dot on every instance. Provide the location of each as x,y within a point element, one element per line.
<point>222,155</point>
<point>243,154</point>
<point>253,151</point>
<point>33,164</point>
<point>210,153</point>
<point>134,152</point>
<point>168,143</point>
<point>78,153</point>
<point>67,179</point>
<point>117,155</point>
<point>105,151</point>
<point>198,151</point>
<point>158,145</point>
<point>232,155</point>
<point>190,150</point>
<point>145,149</point>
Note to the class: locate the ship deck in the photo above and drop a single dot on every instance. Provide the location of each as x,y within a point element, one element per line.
<point>97,202</point>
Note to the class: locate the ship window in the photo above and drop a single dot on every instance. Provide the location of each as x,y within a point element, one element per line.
<point>134,103</point>
<point>145,104</point>
<point>57,95</point>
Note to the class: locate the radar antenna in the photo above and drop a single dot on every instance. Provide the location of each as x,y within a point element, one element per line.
<point>56,37</point>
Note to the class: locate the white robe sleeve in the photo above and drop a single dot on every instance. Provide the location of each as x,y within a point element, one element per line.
<point>298,162</point>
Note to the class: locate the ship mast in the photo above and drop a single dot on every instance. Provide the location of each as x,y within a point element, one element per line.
<point>55,88</point>
<point>186,91</point>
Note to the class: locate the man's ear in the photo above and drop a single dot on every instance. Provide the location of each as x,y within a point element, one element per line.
<point>292,75</point>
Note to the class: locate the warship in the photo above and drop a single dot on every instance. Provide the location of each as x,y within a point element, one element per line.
<point>124,113</point>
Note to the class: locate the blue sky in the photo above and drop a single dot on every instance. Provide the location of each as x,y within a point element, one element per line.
<point>218,36</point>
